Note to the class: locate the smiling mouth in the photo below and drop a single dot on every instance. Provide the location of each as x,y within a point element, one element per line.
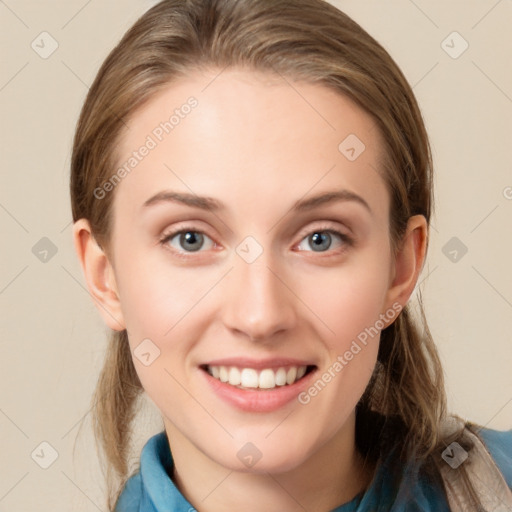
<point>266,378</point>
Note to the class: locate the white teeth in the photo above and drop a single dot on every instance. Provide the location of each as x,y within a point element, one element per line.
<point>291,375</point>
<point>250,378</point>
<point>281,377</point>
<point>234,376</point>
<point>223,374</point>
<point>267,379</point>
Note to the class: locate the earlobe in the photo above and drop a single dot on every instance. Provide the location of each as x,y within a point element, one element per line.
<point>99,275</point>
<point>408,261</point>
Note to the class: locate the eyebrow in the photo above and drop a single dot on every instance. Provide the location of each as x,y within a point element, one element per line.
<point>205,203</point>
<point>209,203</point>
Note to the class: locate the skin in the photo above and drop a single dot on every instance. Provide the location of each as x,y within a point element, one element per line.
<point>258,144</point>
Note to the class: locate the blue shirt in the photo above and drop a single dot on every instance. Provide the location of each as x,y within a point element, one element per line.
<point>152,490</point>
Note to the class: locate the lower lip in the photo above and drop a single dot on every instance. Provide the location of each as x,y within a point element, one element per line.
<point>265,400</point>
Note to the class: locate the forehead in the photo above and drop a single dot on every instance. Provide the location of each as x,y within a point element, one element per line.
<point>246,137</point>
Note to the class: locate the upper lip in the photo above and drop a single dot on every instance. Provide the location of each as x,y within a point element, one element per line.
<point>259,364</point>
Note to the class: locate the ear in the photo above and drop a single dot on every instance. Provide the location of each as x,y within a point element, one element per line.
<point>408,262</point>
<point>99,275</point>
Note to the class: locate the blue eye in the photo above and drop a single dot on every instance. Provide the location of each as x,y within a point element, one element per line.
<point>188,240</point>
<point>321,240</point>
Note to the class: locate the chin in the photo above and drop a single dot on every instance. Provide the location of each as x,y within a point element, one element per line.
<point>263,458</point>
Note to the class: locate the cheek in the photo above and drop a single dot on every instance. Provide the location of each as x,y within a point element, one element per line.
<point>161,321</point>
<point>154,302</point>
<point>156,295</point>
<point>347,300</point>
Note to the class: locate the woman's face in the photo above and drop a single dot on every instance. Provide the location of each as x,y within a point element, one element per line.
<point>251,241</point>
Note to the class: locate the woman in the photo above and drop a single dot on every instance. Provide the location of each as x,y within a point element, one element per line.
<point>252,189</point>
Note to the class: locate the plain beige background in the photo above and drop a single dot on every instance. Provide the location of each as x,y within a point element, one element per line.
<point>52,339</point>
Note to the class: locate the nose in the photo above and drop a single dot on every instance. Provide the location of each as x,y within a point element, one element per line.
<point>258,302</point>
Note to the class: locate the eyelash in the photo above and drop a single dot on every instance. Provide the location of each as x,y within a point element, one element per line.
<point>347,240</point>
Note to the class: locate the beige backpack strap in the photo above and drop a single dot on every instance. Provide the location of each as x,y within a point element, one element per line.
<point>487,480</point>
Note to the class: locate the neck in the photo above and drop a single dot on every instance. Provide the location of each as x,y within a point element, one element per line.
<point>332,476</point>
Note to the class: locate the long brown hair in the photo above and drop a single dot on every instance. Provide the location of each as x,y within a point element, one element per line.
<point>305,40</point>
